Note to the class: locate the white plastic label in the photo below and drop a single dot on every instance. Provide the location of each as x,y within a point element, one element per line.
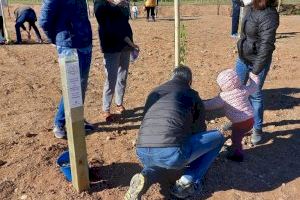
<point>74,84</point>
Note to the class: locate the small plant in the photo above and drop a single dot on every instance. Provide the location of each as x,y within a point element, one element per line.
<point>183,45</point>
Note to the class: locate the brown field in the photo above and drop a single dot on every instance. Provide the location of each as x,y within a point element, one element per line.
<point>30,89</point>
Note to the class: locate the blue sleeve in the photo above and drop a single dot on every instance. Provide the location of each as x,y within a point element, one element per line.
<point>48,18</point>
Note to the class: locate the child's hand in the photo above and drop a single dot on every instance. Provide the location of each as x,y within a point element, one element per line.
<point>136,47</point>
<point>251,75</point>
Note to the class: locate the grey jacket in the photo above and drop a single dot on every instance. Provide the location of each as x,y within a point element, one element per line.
<point>258,36</point>
<point>173,112</point>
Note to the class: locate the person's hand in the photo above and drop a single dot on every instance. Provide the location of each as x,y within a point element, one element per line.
<point>136,47</point>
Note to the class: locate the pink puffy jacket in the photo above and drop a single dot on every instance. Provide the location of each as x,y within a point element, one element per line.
<point>234,98</point>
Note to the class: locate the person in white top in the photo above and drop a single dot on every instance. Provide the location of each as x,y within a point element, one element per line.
<point>135,11</point>
<point>3,4</point>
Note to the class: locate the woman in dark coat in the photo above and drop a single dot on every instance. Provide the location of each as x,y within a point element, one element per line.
<point>116,41</point>
<point>255,49</point>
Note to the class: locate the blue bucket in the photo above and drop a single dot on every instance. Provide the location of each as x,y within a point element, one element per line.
<point>63,162</point>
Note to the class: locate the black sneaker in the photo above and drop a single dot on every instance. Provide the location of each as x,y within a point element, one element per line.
<point>235,157</point>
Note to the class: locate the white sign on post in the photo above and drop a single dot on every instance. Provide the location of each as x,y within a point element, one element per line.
<point>73,84</point>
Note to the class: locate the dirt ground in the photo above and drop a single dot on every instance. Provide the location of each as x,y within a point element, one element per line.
<point>30,91</point>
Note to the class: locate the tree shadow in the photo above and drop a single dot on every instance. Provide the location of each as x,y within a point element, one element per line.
<point>123,122</point>
<point>286,35</point>
<point>26,43</point>
<point>282,123</point>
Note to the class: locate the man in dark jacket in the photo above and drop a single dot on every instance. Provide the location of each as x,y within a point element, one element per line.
<point>67,26</point>
<point>173,135</point>
<point>26,14</point>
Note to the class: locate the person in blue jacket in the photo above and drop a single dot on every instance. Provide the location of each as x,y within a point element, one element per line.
<point>26,14</point>
<point>67,26</point>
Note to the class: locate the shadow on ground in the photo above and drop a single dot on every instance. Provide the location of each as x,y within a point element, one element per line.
<point>281,98</point>
<point>286,35</point>
<point>111,176</point>
<point>126,121</point>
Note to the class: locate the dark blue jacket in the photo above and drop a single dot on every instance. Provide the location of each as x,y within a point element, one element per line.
<point>113,26</point>
<point>66,23</point>
<point>25,13</point>
<point>172,113</point>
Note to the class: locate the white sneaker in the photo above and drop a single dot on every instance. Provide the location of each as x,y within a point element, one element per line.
<point>59,132</point>
<point>136,187</point>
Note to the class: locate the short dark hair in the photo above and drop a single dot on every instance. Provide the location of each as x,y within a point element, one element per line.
<point>183,72</point>
<point>263,4</point>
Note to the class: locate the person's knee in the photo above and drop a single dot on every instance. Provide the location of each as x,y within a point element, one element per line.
<point>219,137</point>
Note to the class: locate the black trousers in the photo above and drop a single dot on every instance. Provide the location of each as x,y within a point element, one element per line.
<point>1,26</point>
<point>150,9</point>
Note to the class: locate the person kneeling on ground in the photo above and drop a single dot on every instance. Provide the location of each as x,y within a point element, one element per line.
<point>173,135</point>
<point>26,14</point>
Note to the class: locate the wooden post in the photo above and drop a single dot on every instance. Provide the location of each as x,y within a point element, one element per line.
<point>279,3</point>
<point>6,34</point>
<point>88,8</point>
<point>72,95</point>
<point>241,21</point>
<point>177,31</point>
<point>218,7</point>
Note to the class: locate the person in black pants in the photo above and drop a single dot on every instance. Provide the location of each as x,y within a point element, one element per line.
<point>150,7</point>
<point>235,18</point>
<point>26,14</point>
<point>150,10</point>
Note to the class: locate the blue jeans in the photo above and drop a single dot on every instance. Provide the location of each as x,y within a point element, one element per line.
<point>235,17</point>
<point>256,99</point>
<point>84,57</point>
<point>195,155</point>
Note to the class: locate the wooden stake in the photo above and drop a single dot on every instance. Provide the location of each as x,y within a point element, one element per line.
<point>6,35</point>
<point>241,21</point>
<point>177,31</point>
<point>279,4</point>
<point>218,7</point>
<point>73,104</point>
<point>88,8</point>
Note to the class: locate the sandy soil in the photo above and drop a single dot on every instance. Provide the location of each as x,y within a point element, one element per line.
<point>30,91</point>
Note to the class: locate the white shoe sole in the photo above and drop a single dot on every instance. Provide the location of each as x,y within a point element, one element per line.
<point>136,186</point>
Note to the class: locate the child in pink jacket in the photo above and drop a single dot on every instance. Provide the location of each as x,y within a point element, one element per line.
<point>234,99</point>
